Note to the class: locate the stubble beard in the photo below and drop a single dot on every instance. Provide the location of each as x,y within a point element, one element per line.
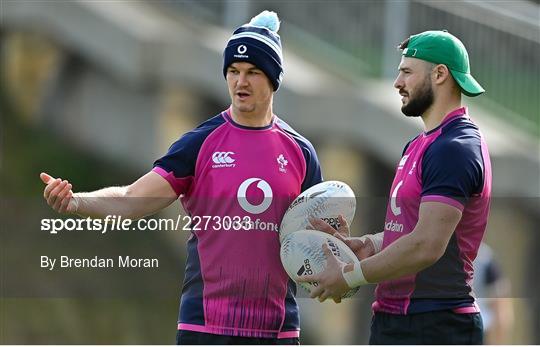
<point>424,99</point>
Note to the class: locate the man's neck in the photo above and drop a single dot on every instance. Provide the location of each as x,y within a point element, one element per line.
<point>252,119</point>
<point>434,116</point>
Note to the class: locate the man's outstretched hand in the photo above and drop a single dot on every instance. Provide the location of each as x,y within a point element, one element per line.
<point>58,194</point>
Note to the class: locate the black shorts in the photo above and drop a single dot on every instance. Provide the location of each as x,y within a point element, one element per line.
<point>432,328</point>
<point>186,337</point>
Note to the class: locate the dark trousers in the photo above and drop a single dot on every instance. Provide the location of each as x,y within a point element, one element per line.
<point>186,337</point>
<point>432,328</point>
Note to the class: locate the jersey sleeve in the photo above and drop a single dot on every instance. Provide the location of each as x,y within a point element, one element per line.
<point>177,166</point>
<point>452,171</point>
<point>313,167</point>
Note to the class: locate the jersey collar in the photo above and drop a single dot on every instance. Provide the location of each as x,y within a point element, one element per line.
<point>457,113</point>
<point>228,117</point>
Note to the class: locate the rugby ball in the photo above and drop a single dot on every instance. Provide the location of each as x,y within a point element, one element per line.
<point>302,254</point>
<point>325,200</point>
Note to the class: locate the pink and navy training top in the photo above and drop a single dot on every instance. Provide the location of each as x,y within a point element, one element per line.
<point>449,164</point>
<point>224,172</point>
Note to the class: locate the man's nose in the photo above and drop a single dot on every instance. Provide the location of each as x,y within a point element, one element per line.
<point>398,82</point>
<point>242,79</point>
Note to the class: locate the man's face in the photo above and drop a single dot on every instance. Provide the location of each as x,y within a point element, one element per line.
<point>414,85</point>
<point>250,90</point>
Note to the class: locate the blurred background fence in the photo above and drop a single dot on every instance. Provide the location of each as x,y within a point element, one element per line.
<point>95,91</point>
<point>360,38</point>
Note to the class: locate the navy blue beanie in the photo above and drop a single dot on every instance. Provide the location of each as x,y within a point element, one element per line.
<point>258,43</point>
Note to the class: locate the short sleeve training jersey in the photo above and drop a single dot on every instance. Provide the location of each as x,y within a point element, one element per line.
<point>449,164</point>
<point>224,173</point>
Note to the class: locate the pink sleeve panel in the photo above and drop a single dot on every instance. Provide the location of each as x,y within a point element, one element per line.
<point>179,185</point>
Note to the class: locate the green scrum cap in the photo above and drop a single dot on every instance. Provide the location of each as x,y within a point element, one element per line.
<point>441,47</point>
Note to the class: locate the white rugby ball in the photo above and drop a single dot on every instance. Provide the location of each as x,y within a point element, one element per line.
<point>325,200</point>
<point>302,254</point>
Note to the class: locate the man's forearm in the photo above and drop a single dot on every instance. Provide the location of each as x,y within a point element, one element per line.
<point>146,196</point>
<point>416,251</point>
<point>103,202</point>
<point>407,255</point>
<point>118,201</point>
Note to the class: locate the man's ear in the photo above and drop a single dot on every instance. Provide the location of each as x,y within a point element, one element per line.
<point>441,73</point>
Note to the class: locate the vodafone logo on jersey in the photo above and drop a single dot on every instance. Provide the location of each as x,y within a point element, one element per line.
<point>255,208</point>
<point>223,159</point>
<point>396,210</point>
<point>394,225</point>
<point>402,162</point>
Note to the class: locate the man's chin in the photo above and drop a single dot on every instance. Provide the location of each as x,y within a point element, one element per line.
<point>245,108</point>
<point>408,113</point>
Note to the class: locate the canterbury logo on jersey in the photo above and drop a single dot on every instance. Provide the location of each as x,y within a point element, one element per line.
<point>223,159</point>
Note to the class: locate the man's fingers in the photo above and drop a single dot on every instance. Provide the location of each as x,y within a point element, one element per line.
<point>358,247</point>
<point>324,295</point>
<point>58,194</point>
<point>54,194</point>
<point>51,190</point>
<point>316,292</point>
<point>307,278</point>
<point>57,186</point>
<point>330,257</point>
<point>355,244</point>
<point>319,224</point>
<point>50,186</point>
<point>61,197</point>
<point>342,221</point>
<point>349,243</point>
<point>343,226</point>
<point>58,199</point>
<point>337,300</point>
<point>45,178</point>
<point>341,237</point>
<point>326,251</point>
